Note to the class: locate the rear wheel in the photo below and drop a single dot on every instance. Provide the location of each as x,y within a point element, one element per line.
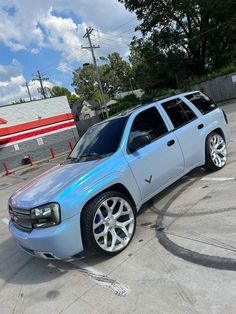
<point>216,152</point>
<point>108,223</point>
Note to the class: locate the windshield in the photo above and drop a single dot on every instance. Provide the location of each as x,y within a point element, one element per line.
<point>100,140</point>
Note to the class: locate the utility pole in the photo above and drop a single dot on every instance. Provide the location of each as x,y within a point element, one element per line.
<point>131,85</point>
<point>92,47</point>
<point>27,85</point>
<point>41,77</point>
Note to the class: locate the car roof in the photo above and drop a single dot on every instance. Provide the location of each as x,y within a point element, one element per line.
<point>128,112</point>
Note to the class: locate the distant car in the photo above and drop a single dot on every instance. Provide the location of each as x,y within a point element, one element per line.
<point>91,200</point>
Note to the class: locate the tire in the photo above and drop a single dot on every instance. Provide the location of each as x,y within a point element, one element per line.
<point>108,223</point>
<point>216,152</point>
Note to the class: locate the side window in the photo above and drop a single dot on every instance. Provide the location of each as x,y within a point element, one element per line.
<point>203,103</point>
<point>178,112</point>
<point>148,122</point>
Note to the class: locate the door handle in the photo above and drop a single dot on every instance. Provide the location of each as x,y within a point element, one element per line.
<point>170,143</point>
<point>200,126</point>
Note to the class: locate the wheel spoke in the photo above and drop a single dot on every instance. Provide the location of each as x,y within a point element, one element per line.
<point>123,228</point>
<point>120,210</point>
<point>114,238</point>
<point>98,224</point>
<point>218,161</point>
<point>101,234</point>
<point>109,233</point>
<point>218,150</point>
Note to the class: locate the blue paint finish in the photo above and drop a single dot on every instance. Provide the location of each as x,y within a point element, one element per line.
<point>10,10</point>
<point>73,184</point>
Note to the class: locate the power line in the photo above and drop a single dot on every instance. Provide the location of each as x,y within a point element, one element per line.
<point>91,47</point>
<point>41,77</point>
<point>50,65</point>
<point>120,26</point>
<point>192,38</point>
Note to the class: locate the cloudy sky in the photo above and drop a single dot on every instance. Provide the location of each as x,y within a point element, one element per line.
<point>47,36</point>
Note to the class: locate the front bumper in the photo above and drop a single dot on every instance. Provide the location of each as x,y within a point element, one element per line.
<point>59,242</point>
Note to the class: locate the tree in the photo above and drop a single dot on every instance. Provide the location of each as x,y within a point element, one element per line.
<point>199,35</point>
<point>60,91</point>
<point>85,81</point>
<point>117,72</point>
<point>57,91</point>
<point>114,75</point>
<point>19,101</point>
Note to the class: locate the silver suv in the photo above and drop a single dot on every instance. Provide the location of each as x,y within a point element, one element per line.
<point>91,200</point>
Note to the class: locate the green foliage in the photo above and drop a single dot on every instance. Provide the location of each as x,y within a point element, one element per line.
<point>114,75</point>
<point>155,94</point>
<point>57,91</point>
<point>181,39</point>
<point>131,100</point>
<point>221,72</point>
<point>19,101</point>
<point>126,103</point>
<point>84,81</point>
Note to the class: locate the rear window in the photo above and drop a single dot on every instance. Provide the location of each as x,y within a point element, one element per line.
<point>203,103</point>
<point>178,112</point>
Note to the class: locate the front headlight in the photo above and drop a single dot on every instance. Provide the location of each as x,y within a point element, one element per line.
<point>46,215</point>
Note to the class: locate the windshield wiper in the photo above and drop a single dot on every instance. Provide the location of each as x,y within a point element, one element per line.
<point>72,158</point>
<point>96,155</point>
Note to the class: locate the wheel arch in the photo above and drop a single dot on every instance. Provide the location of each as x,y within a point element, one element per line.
<point>117,187</point>
<point>217,130</point>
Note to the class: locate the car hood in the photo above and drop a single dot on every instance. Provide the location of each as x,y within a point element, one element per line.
<point>44,188</point>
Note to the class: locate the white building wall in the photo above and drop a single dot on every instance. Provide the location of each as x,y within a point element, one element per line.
<point>34,110</point>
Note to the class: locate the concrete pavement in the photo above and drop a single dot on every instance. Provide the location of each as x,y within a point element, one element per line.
<point>182,258</point>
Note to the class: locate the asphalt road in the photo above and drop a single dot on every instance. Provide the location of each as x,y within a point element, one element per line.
<point>182,258</point>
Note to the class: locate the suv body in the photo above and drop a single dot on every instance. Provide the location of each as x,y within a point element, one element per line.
<point>57,213</point>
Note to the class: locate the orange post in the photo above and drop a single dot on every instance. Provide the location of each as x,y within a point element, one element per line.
<point>6,168</point>
<point>70,145</point>
<point>30,160</point>
<point>52,152</point>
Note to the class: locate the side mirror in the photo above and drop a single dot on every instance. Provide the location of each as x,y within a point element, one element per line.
<point>139,142</point>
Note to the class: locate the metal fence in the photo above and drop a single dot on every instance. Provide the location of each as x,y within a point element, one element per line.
<point>219,89</point>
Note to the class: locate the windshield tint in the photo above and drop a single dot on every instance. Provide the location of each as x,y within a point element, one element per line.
<point>100,139</point>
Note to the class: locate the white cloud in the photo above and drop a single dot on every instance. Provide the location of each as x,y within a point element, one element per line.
<point>12,81</point>
<point>33,26</point>
<point>65,67</point>
<point>22,30</point>
<point>63,36</point>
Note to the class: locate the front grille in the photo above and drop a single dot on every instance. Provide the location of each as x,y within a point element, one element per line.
<point>21,219</point>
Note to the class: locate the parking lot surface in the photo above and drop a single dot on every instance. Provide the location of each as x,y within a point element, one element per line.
<point>182,258</point>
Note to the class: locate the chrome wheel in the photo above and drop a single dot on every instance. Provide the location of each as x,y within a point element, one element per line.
<point>218,151</point>
<point>113,224</point>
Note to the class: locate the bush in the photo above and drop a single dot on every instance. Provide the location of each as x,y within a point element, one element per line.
<point>125,103</point>
<point>157,93</point>
<point>221,72</point>
<point>131,98</point>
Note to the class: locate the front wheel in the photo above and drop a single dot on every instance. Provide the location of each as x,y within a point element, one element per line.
<point>216,152</point>
<point>108,223</point>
